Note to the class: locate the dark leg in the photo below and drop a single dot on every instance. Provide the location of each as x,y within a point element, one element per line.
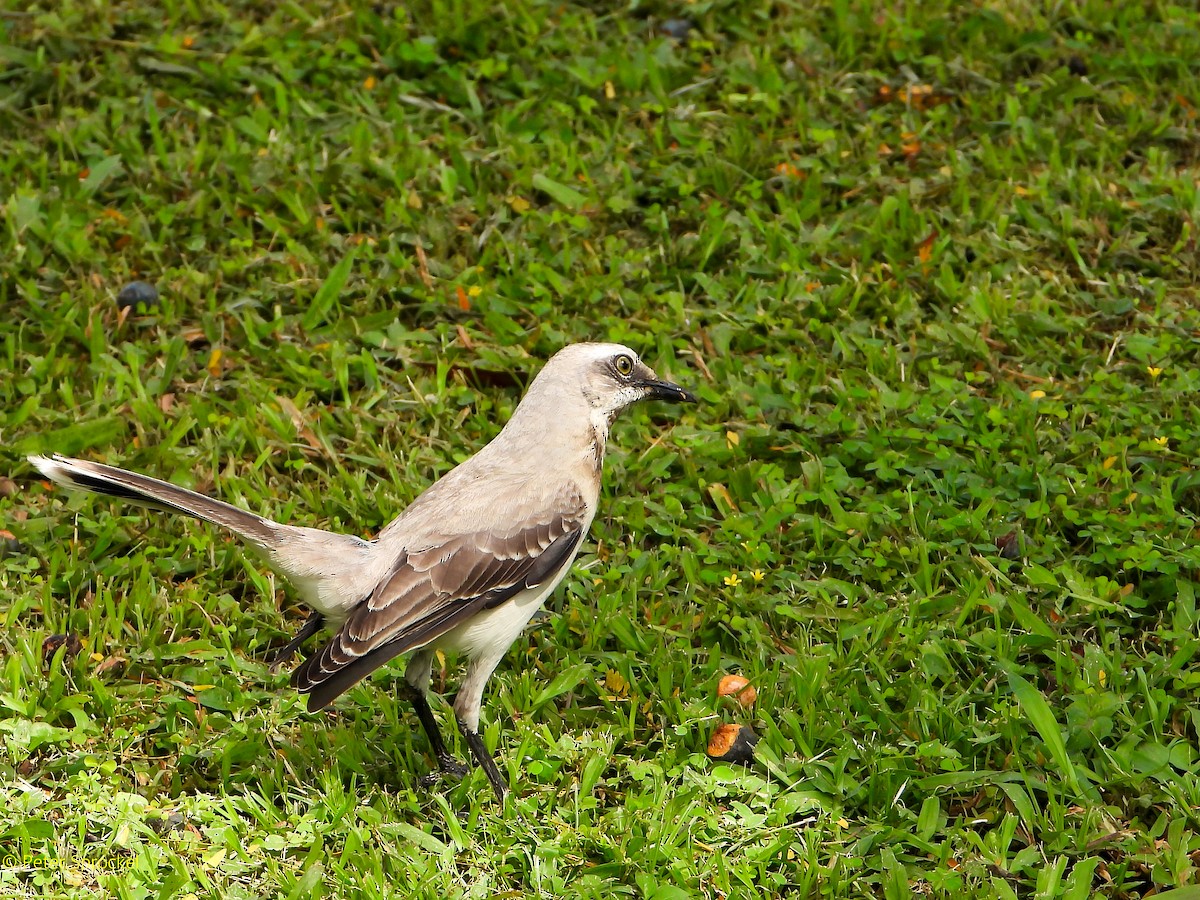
<point>310,627</point>
<point>446,761</point>
<point>485,761</point>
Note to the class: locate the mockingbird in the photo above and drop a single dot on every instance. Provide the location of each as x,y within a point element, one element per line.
<point>464,567</point>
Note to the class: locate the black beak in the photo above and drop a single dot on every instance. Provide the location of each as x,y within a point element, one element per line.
<point>665,390</point>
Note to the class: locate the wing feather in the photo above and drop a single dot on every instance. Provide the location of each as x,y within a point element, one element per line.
<point>433,589</point>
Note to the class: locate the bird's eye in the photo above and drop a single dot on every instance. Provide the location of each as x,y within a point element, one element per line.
<point>623,364</point>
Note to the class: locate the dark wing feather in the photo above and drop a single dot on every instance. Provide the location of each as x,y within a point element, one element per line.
<point>430,592</point>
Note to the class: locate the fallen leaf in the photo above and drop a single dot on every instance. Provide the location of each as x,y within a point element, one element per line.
<point>423,268</point>
<point>70,642</point>
<point>925,248</point>
<point>293,413</point>
<point>1009,545</point>
<point>111,662</point>
<point>720,494</point>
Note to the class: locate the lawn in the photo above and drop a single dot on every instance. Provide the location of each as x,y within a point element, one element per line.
<point>931,269</point>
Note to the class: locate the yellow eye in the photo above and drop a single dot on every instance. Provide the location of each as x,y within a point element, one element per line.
<point>624,365</point>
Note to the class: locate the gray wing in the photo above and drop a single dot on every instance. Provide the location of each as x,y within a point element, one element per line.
<point>432,590</point>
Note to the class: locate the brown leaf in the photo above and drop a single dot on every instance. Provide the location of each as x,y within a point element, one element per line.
<point>1009,545</point>
<point>297,418</point>
<point>112,662</point>
<point>70,642</point>
<point>925,248</point>
<point>423,268</point>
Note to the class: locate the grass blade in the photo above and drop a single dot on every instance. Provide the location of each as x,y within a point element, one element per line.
<point>561,193</point>
<point>328,293</point>
<point>1038,711</point>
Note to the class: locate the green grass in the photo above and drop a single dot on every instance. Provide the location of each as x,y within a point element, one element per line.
<point>924,326</point>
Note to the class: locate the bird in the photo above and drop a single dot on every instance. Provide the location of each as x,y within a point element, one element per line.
<point>465,565</point>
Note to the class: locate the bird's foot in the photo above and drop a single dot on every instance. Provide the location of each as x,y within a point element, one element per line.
<point>453,767</point>
<point>448,767</point>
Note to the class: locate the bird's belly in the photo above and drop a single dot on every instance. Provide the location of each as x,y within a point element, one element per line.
<point>496,629</point>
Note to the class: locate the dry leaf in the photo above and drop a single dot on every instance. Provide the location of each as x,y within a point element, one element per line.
<point>925,248</point>
<point>423,268</point>
<point>298,421</point>
<point>720,494</point>
<point>111,662</point>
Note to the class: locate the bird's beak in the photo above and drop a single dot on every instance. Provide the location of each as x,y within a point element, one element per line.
<point>665,390</point>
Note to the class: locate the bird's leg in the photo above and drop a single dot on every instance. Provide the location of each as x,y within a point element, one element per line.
<point>310,627</point>
<point>466,711</point>
<point>484,759</point>
<point>416,680</point>
<point>446,760</point>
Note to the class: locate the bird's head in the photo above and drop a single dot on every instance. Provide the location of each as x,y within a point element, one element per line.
<point>574,398</point>
<point>610,377</point>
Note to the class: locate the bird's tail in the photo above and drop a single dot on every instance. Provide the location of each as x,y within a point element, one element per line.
<point>146,491</point>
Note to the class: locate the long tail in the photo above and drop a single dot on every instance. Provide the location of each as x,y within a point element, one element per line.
<point>146,491</point>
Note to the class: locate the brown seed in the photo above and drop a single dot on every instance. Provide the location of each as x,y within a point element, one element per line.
<point>738,687</point>
<point>732,743</point>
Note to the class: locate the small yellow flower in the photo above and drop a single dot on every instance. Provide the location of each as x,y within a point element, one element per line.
<point>1036,395</point>
<point>758,575</point>
<point>732,580</point>
<point>475,290</point>
<point>1153,371</point>
<point>1161,441</point>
